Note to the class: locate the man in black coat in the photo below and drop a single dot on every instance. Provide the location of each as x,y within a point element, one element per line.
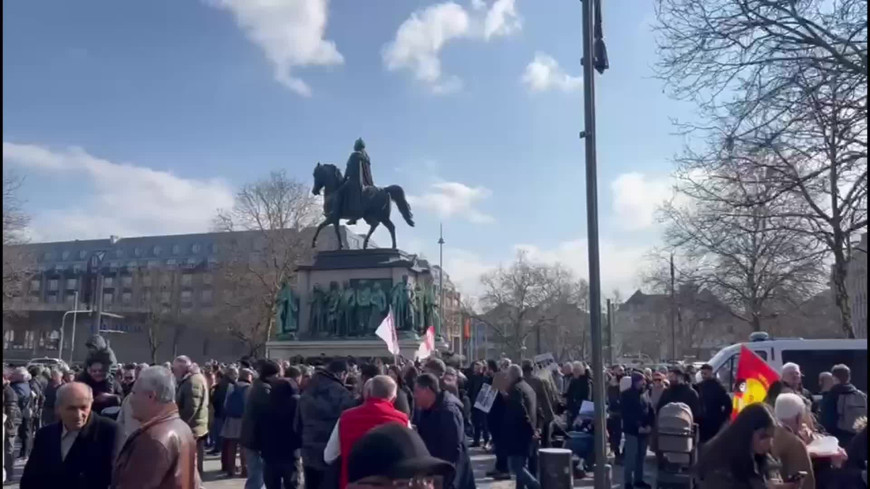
<point>77,452</point>
<point>281,437</point>
<point>716,404</point>
<point>439,422</point>
<point>680,391</point>
<point>520,415</point>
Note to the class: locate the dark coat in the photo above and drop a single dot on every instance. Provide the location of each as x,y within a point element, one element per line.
<point>544,400</point>
<point>404,401</point>
<point>683,393</point>
<point>11,410</point>
<point>281,439</point>
<point>357,176</point>
<point>106,386</point>
<point>320,406</point>
<point>829,415</point>
<point>88,464</point>
<point>519,422</point>
<point>716,408</point>
<point>578,391</point>
<point>254,418</point>
<point>219,396</point>
<point>637,412</point>
<point>443,431</point>
<point>24,398</point>
<point>48,415</point>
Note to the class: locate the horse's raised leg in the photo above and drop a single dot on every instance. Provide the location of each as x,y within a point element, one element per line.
<point>319,227</point>
<point>392,229</point>
<point>337,224</point>
<point>369,235</point>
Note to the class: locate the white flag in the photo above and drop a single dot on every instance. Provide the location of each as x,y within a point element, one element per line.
<point>427,346</point>
<point>387,332</point>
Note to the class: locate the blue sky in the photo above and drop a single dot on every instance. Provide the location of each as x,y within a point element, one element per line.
<point>135,118</point>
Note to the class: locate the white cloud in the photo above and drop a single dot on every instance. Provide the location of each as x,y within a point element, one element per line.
<point>637,197</point>
<point>122,198</point>
<point>448,199</point>
<point>544,74</point>
<point>290,32</point>
<point>420,39</point>
<point>502,19</point>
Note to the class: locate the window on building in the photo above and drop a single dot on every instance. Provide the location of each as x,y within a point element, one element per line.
<point>83,254</point>
<point>113,265</point>
<point>52,284</point>
<point>52,340</point>
<point>213,248</point>
<point>70,298</point>
<point>127,281</point>
<point>176,249</point>
<point>132,264</point>
<point>8,338</point>
<point>108,281</point>
<point>147,296</point>
<point>35,284</point>
<point>48,256</point>
<point>29,339</point>
<point>206,296</point>
<point>186,279</point>
<point>196,248</point>
<point>71,283</point>
<point>126,297</point>
<point>119,253</point>
<point>137,251</point>
<point>108,298</point>
<point>171,262</point>
<point>207,279</point>
<point>186,296</point>
<point>52,298</point>
<point>165,280</point>
<point>164,296</point>
<point>146,280</point>
<point>65,255</point>
<point>192,262</point>
<point>153,263</point>
<point>77,268</point>
<point>157,250</point>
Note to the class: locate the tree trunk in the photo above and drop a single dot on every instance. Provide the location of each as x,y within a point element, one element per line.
<point>841,293</point>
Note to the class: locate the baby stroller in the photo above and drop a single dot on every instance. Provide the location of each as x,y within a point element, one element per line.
<point>676,447</point>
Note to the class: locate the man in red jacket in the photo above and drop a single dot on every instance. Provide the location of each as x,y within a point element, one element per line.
<point>379,393</point>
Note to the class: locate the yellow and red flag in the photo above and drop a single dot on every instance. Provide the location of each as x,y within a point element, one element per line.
<point>754,377</point>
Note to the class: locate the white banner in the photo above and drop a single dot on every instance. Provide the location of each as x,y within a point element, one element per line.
<point>485,398</point>
<point>427,346</point>
<point>387,332</point>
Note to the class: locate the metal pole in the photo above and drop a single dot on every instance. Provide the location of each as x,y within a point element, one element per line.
<point>73,338</point>
<point>673,324</point>
<point>60,348</point>
<point>592,228</point>
<point>440,280</point>
<point>609,332</point>
<point>99,301</point>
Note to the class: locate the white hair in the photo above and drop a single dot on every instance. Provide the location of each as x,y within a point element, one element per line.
<point>21,374</point>
<point>791,367</point>
<point>158,380</point>
<point>380,387</point>
<point>515,372</point>
<point>789,406</point>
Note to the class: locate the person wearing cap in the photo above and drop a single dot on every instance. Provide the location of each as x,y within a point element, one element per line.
<point>377,409</point>
<point>680,391</point>
<point>637,422</point>
<point>716,404</point>
<point>439,422</point>
<point>393,455</point>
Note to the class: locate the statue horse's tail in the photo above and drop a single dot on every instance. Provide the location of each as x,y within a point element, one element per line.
<point>398,195</point>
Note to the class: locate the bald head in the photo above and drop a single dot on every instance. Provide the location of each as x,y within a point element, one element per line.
<point>380,387</point>
<point>74,402</point>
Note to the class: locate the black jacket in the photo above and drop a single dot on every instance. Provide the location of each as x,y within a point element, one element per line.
<point>681,393</point>
<point>829,415</point>
<point>716,408</point>
<point>320,406</point>
<point>253,420</point>
<point>88,464</point>
<point>475,383</point>
<point>219,396</point>
<point>404,401</point>
<point>637,412</point>
<point>281,438</point>
<point>107,386</point>
<point>442,429</point>
<point>578,391</point>
<point>11,410</point>
<point>519,418</point>
<point>614,401</point>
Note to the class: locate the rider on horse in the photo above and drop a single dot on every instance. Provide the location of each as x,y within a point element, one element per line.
<point>357,176</point>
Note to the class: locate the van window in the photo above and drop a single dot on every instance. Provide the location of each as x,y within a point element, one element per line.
<point>814,362</point>
<point>725,373</point>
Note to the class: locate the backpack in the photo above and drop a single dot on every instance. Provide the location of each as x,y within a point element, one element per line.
<point>235,407</point>
<point>850,407</point>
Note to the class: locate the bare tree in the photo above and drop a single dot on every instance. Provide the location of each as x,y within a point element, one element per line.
<point>159,300</point>
<point>255,264</point>
<point>788,79</point>
<point>18,265</point>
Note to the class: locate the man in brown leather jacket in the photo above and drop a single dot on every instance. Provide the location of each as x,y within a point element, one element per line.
<point>161,454</point>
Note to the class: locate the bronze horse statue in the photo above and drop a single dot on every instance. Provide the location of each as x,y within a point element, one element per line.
<point>375,203</point>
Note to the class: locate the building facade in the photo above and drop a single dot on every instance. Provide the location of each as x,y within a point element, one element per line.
<point>137,274</point>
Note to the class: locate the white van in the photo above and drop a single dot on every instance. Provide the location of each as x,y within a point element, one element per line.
<point>813,356</point>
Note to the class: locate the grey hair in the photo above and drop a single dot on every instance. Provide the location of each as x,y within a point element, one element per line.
<point>21,373</point>
<point>381,387</point>
<point>789,406</point>
<point>158,380</point>
<point>62,391</point>
<point>515,372</point>
<point>183,360</point>
<point>246,373</point>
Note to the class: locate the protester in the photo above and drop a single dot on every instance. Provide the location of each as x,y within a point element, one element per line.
<point>391,456</point>
<point>792,381</point>
<point>50,397</point>
<point>367,371</point>
<point>11,422</point>
<point>254,421</point>
<point>740,455</point>
<point>281,437</point>
<point>376,410</point>
<point>107,390</point>
<point>826,382</point>
<point>478,418</point>
<point>579,389</point>
<point>20,382</point>
<point>521,428</point>
<point>192,401</point>
<point>234,411</point>
<point>320,406</point>
<point>638,417</point>
<point>567,371</point>
<point>790,438</point>
<point>218,397</point>
<point>658,387</point>
<point>716,404</point>
<point>614,413</point>
<point>495,421</point>
<point>842,406</point>
<point>37,387</point>
<point>77,452</point>
<point>543,400</point>
<point>128,377</point>
<point>404,397</point>
<point>439,421</point>
<point>162,453</point>
<point>680,391</point>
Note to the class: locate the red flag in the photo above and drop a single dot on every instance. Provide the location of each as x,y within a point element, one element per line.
<point>467,331</point>
<point>754,377</point>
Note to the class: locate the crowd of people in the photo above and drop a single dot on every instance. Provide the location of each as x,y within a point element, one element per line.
<point>290,425</point>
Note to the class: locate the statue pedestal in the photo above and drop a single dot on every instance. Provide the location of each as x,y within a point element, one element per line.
<point>355,269</point>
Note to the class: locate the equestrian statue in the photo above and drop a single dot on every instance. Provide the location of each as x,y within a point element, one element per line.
<point>354,196</point>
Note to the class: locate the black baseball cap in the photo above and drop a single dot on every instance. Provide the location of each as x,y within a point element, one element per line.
<point>394,451</point>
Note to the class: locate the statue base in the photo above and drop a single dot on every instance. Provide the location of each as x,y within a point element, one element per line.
<point>358,348</point>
